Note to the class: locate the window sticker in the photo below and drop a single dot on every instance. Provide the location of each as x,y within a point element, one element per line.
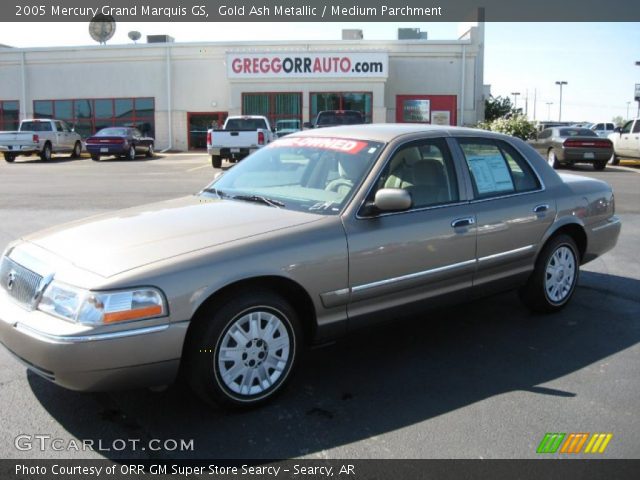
<point>491,174</point>
<point>337,144</point>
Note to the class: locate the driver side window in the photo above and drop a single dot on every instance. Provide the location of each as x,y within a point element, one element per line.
<point>627,127</point>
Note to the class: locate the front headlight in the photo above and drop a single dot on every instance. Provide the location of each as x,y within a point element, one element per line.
<point>102,308</point>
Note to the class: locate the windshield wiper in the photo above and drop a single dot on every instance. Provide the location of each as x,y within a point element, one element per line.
<point>215,191</point>
<point>259,199</point>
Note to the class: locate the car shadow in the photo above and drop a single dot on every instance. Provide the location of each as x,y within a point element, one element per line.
<point>377,380</point>
<point>139,158</point>
<point>32,160</point>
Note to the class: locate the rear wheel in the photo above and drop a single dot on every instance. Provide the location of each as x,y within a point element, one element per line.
<point>131,154</point>
<point>150,151</point>
<point>45,155</point>
<point>216,161</point>
<point>9,157</point>
<point>77,150</point>
<point>552,160</point>
<point>243,349</point>
<point>600,165</point>
<point>95,157</point>
<point>554,277</point>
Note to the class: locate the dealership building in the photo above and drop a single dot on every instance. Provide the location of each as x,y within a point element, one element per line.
<point>174,91</point>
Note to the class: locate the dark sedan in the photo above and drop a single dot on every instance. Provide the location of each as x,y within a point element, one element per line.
<point>124,142</point>
<point>569,145</point>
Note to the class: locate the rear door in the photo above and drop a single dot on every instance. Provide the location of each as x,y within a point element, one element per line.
<point>427,251</point>
<point>512,208</point>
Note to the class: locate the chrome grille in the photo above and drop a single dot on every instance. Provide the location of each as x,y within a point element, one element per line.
<point>18,282</point>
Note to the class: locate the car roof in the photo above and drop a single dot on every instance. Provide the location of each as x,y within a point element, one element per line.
<point>386,132</point>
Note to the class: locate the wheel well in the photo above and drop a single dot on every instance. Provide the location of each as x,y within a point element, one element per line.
<point>576,232</point>
<point>288,289</point>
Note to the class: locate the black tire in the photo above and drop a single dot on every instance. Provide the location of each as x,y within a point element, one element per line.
<point>9,157</point>
<point>203,365</point>
<point>45,154</point>
<point>216,161</point>
<point>535,293</point>
<point>77,150</point>
<point>600,165</point>
<point>150,153</point>
<point>131,154</point>
<point>95,157</point>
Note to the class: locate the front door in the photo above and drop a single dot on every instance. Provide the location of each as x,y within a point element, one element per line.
<point>199,123</point>
<point>426,251</point>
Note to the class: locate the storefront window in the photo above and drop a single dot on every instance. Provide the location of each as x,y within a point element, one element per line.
<point>91,115</point>
<point>9,115</point>
<point>274,106</point>
<point>360,101</point>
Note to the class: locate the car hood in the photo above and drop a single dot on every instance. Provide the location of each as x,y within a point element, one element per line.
<point>116,242</point>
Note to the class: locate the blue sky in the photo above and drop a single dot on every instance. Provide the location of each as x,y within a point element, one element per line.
<point>596,59</point>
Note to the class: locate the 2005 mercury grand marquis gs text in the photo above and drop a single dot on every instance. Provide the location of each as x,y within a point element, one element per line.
<point>316,233</point>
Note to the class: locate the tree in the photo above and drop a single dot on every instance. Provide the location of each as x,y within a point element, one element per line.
<point>618,120</point>
<point>497,107</point>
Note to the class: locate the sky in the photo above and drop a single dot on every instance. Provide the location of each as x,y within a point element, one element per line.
<point>596,59</point>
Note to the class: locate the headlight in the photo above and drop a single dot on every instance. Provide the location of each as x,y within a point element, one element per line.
<point>102,308</point>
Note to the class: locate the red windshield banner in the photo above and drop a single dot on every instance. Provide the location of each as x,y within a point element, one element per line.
<point>338,144</point>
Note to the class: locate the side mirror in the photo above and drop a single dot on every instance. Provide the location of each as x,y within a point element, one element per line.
<point>392,200</point>
<point>617,130</point>
<point>307,125</point>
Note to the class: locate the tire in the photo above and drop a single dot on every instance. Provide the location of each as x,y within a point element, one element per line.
<point>77,150</point>
<point>149,153</point>
<point>614,160</point>
<point>554,278</point>
<point>9,157</point>
<point>95,157</point>
<point>131,154</point>
<point>600,165</point>
<point>552,160</point>
<point>227,352</point>
<point>216,161</point>
<point>45,155</point>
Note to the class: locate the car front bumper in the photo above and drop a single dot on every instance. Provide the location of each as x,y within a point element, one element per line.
<point>138,357</point>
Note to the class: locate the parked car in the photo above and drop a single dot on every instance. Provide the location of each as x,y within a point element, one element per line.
<point>626,141</point>
<point>124,142</point>
<point>333,118</point>
<point>314,235</point>
<point>42,137</point>
<point>240,136</point>
<point>582,125</point>
<point>602,129</point>
<point>569,145</point>
<point>285,127</point>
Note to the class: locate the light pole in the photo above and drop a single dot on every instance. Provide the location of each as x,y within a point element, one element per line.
<point>627,117</point>
<point>549,109</point>
<point>561,83</point>
<point>515,100</point>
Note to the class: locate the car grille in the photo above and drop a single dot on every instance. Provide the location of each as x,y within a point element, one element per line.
<point>18,282</point>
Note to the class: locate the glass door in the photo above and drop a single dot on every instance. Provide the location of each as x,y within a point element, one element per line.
<point>199,123</point>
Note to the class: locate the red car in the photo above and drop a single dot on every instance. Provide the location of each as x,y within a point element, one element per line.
<point>124,142</point>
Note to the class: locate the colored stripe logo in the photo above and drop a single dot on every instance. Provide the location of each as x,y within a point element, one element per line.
<point>573,442</point>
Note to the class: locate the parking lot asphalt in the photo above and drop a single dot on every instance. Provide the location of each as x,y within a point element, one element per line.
<point>485,379</point>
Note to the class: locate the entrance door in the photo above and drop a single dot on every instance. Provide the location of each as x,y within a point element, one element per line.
<point>199,123</point>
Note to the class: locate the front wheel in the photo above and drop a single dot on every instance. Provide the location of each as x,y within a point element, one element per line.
<point>216,161</point>
<point>9,157</point>
<point>131,154</point>
<point>554,277</point>
<point>552,160</point>
<point>45,155</point>
<point>150,151</point>
<point>242,350</point>
<point>600,165</point>
<point>77,150</point>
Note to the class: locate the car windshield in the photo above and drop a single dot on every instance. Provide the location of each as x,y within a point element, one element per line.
<point>112,132</point>
<point>311,174</point>
<point>577,132</point>
<point>339,118</point>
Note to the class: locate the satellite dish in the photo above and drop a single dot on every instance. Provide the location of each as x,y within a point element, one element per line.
<point>102,28</point>
<point>135,36</point>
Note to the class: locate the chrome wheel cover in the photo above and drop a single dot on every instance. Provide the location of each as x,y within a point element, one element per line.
<point>254,352</point>
<point>560,274</point>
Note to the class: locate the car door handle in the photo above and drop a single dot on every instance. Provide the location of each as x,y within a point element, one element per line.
<point>541,208</point>
<point>463,222</point>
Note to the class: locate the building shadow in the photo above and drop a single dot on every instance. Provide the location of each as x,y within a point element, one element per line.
<point>377,380</point>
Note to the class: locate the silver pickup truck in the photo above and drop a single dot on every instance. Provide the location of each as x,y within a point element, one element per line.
<point>240,136</point>
<point>42,137</point>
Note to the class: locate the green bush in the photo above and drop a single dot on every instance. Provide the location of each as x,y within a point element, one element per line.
<point>517,126</point>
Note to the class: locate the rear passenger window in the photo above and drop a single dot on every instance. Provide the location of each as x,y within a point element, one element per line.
<point>497,169</point>
<point>636,127</point>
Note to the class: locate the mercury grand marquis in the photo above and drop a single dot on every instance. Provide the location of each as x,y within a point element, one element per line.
<point>318,233</point>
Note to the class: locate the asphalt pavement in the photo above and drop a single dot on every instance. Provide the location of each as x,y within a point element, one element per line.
<point>485,379</point>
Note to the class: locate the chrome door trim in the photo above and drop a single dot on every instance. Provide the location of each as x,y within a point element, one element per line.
<point>505,254</point>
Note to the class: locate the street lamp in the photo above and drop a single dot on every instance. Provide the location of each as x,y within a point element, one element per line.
<point>627,117</point>
<point>515,100</point>
<point>549,109</point>
<point>561,83</point>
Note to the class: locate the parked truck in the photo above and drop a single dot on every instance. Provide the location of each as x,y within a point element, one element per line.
<point>334,118</point>
<point>239,137</point>
<point>42,137</point>
<point>626,141</point>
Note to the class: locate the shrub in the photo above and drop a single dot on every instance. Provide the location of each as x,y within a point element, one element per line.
<point>516,126</point>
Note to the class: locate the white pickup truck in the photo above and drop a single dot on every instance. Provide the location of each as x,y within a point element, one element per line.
<point>240,136</point>
<point>42,137</point>
<point>626,141</point>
